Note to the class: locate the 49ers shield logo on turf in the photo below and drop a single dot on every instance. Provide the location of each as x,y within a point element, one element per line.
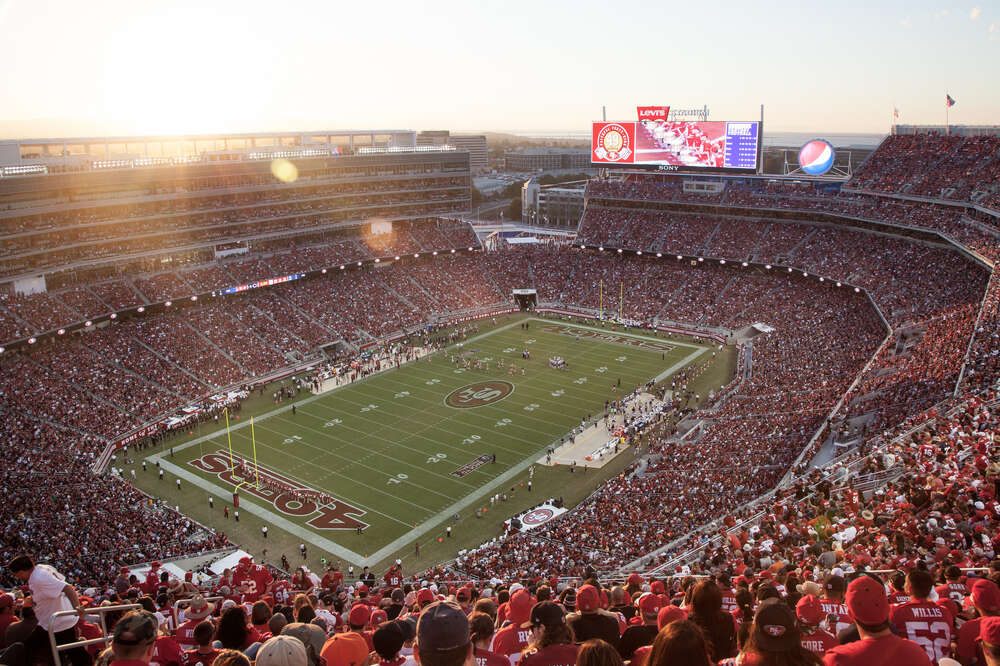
<point>479,394</point>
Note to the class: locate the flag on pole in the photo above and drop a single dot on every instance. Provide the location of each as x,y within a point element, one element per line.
<point>948,101</point>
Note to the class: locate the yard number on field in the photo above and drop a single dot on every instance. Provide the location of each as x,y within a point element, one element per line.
<point>471,439</point>
<point>436,458</point>
<point>332,422</point>
<point>558,393</point>
<point>402,394</point>
<point>532,407</point>
<point>397,479</point>
<point>292,439</point>
<point>431,382</point>
<point>369,408</point>
<point>502,422</point>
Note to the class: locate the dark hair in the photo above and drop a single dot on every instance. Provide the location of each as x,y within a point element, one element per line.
<point>453,657</point>
<point>679,642</point>
<point>543,593</point>
<point>260,613</point>
<point>921,583</point>
<point>232,632</point>
<point>203,632</point>
<point>873,628</point>
<point>796,655</point>
<point>480,626</point>
<point>487,606</point>
<point>706,602</point>
<point>231,658</point>
<point>21,563</point>
<point>305,614</point>
<point>597,652</point>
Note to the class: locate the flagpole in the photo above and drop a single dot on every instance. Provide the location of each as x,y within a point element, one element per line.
<point>229,441</point>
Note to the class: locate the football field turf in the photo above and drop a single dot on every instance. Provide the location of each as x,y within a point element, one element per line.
<point>401,452</point>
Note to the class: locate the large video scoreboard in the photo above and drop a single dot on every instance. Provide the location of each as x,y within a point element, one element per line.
<point>678,145</point>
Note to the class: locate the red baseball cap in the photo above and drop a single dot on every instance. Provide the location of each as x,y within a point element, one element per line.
<point>986,595</point>
<point>650,604</point>
<point>866,601</point>
<point>362,588</point>
<point>634,579</point>
<point>656,587</point>
<point>989,630</point>
<point>587,598</point>
<point>668,614</point>
<point>378,616</point>
<point>809,610</point>
<point>359,615</point>
<point>425,596</point>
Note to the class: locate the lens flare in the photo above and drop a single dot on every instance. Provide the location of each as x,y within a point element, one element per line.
<point>284,170</point>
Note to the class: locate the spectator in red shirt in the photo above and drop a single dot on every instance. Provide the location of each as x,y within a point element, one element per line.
<point>204,654</point>
<point>810,614</point>
<point>986,600</point>
<point>596,652</point>
<point>922,621</point>
<point>868,607</point>
<point>513,638</point>
<point>198,609</point>
<point>552,639</point>
<point>481,626</point>
<point>989,640</point>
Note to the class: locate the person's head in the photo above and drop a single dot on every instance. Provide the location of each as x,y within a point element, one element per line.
<point>597,652</point>
<point>989,639</point>
<point>231,658</point>
<point>134,637</point>
<point>443,636</point>
<point>203,633</point>
<point>282,651</point>
<point>588,600</point>
<point>232,632</point>
<point>21,567</point>
<point>809,612</point>
<point>305,614</point>
<point>260,613</point>
<point>774,634</point>
<point>388,640</point>
<point>548,625</point>
<point>311,636</point>
<point>481,629</point>
<point>868,605</point>
<point>706,599</point>
<point>833,587</point>
<point>487,606</point>
<point>358,616</point>
<point>919,583</point>
<point>986,597</point>
<point>680,642</point>
<point>276,623</point>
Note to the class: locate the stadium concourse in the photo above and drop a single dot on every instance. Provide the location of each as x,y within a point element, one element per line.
<point>884,313</point>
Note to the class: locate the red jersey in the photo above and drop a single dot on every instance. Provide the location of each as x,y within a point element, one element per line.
<point>332,580</point>
<point>255,581</point>
<point>166,652</point>
<point>837,615</point>
<point>487,658</point>
<point>926,624</point>
<point>553,655</point>
<point>195,658</point>
<point>819,641</point>
<point>510,641</point>
<point>393,579</point>
<point>968,642</point>
<point>729,601</point>
<point>87,630</point>
<point>152,581</point>
<point>282,592</point>
<point>889,650</point>
<point>953,591</point>
<point>185,634</point>
<point>640,655</point>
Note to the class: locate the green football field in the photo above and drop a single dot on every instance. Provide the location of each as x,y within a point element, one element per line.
<point>391,459</point>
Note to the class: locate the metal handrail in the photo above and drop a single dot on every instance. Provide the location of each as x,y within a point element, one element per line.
<point>100,611</point>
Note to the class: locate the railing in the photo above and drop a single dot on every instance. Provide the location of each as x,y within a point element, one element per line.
<point>100,611</point>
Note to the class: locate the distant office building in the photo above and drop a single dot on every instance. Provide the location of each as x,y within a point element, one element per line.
<point>474,144</point>
<point>547,159</point>
<point>552,205</point>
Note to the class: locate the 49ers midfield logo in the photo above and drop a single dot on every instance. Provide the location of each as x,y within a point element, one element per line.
<point>479,394</point>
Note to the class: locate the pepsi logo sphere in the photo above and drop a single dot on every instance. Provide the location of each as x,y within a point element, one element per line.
<point>816,157</point>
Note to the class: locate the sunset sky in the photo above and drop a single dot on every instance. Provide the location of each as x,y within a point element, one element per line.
<point>149,66</point>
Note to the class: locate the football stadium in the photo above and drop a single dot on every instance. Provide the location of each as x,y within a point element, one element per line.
<point>292,397</point>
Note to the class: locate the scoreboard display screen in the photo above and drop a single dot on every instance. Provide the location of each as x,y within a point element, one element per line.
<point>677,145</point>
